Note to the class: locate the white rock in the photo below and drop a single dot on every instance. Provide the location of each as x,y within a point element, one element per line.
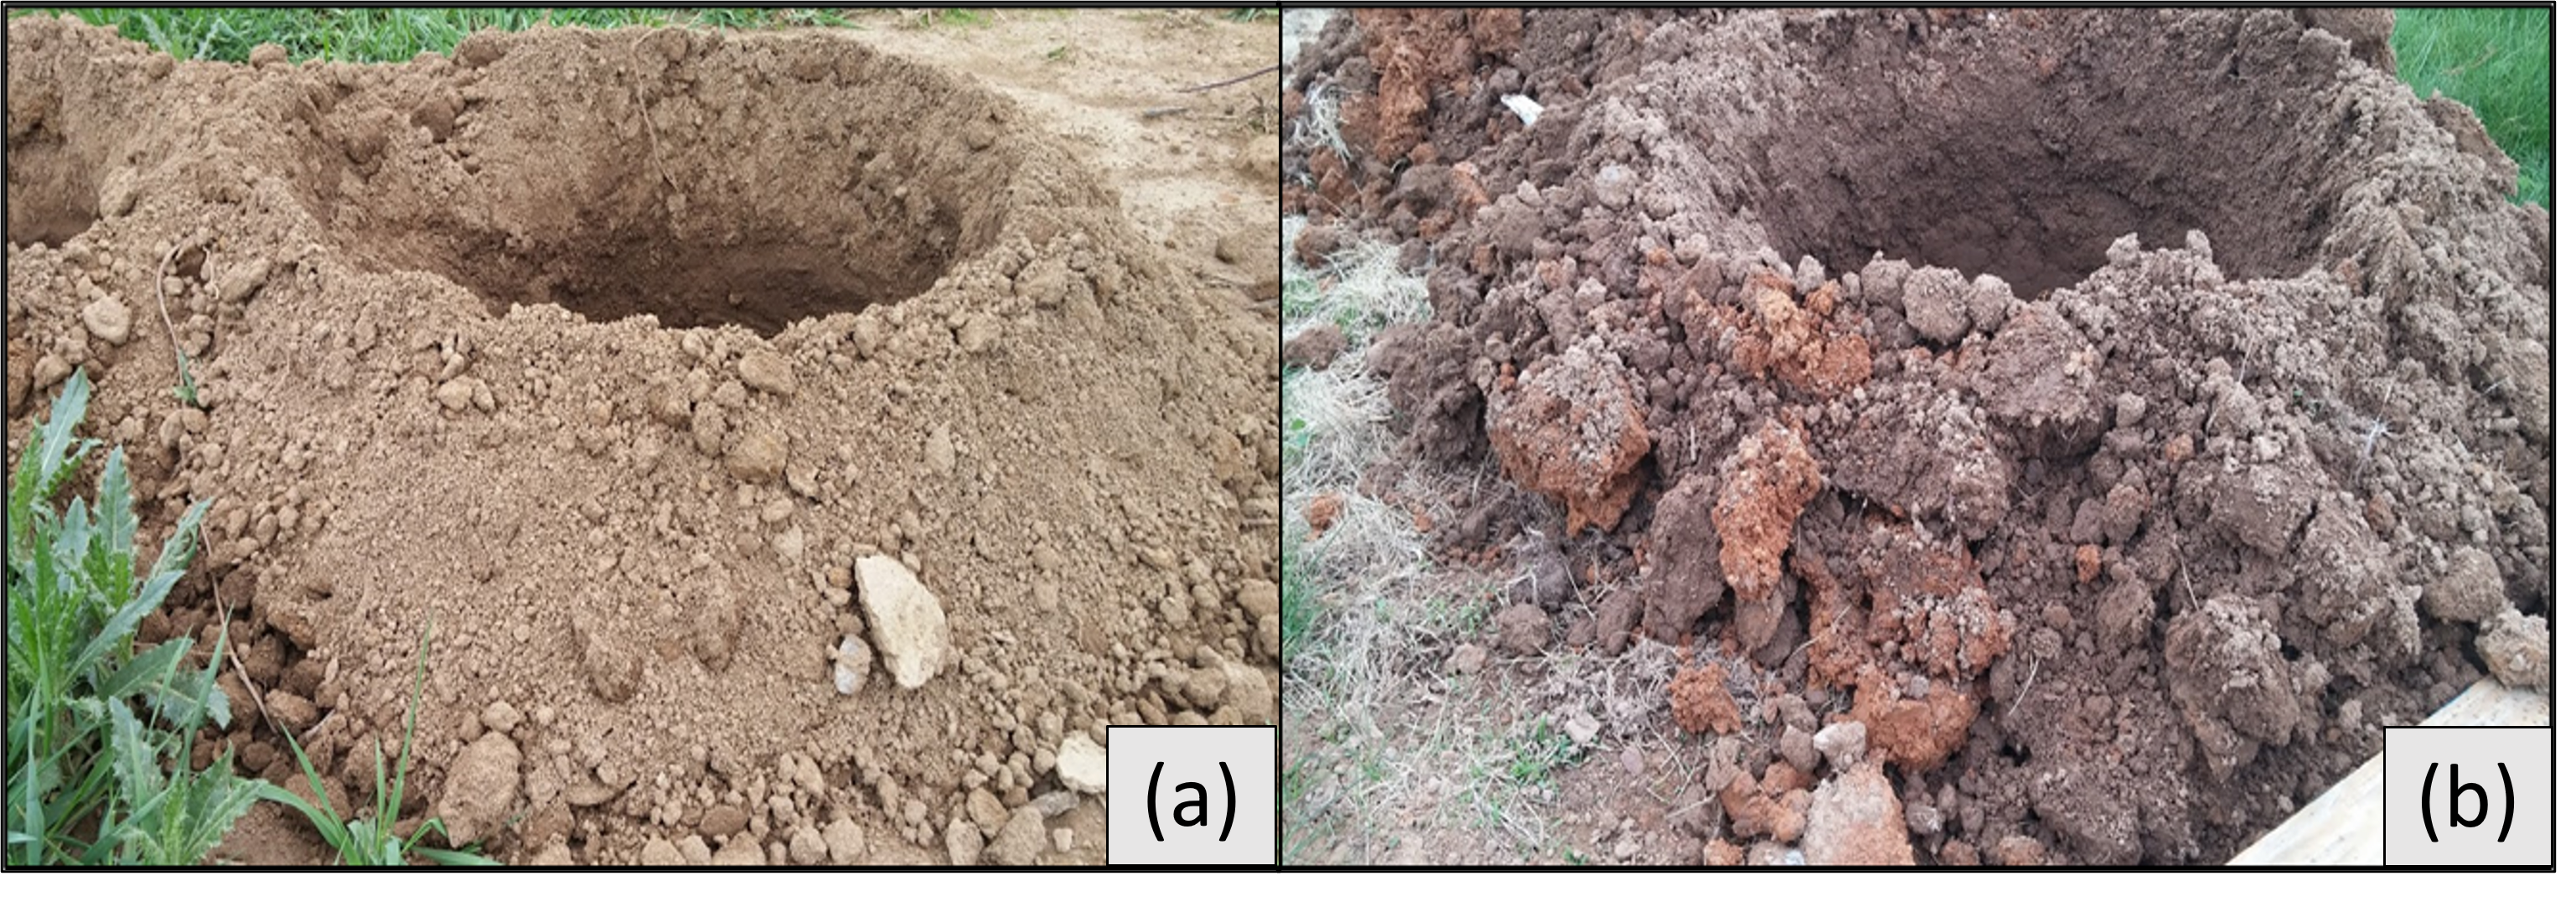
<point>1583,728</point>
<point>1022,839</point>
<point>805,846</point>
<point>501,716</point>
<point>850,665</point>
<point>905,619</point>
<point>743,850</point>
<point>1054,803</point>
<point>1521,106</point>
<point>658,852</point>
<point>940,451</point>
<point>108,319</point>
<point>1843,742</point>
<point>1252,692</point>
<point>457,393</point>
<point>1082,765</point>
<point>979,333</point>
<point>844,840</point>
<point>965,844</point>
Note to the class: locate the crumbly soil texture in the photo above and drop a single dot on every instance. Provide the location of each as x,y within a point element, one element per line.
<point>2119,415</point>
<point>601,360</point>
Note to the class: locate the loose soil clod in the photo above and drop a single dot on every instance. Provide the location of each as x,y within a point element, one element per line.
<point>2119,414</point>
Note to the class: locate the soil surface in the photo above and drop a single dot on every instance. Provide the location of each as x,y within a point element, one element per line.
<point>2063,436</point>
<point>617,356</point>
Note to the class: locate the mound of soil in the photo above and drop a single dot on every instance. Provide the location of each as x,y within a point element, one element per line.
<point>2100,407</point>
<point>613,354</point>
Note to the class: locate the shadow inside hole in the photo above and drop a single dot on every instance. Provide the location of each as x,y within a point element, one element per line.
<point>53,193</point>
<point>761,281</point>
<point>1988,163</point>
<point>604,191</point>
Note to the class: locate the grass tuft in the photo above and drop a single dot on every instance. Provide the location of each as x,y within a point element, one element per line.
<point>949,17</point>
<point>384,35</point>
<point>371,839</point>
<point>2497,62</point>
<point>1337,425</point>
<point>1539,753</point>
<point>1296,602</point>
<point>99,735</point>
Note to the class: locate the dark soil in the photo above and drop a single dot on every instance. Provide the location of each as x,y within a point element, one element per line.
<point>2149,368</point>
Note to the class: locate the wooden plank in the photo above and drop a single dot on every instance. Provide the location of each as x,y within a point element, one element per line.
<point>2343,827</point>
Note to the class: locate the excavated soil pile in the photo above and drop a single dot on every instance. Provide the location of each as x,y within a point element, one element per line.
<point>2118,415</point>
<point>617,355</point>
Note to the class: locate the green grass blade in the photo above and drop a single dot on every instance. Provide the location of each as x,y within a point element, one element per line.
<point>120,626</point>
<point>116,503</point>
<point>185,700</point>
<point>33,782</point>
<point>42,468</point>
<point>411,716</point>
<point>386,802</point>
<point>206,692</point>
<point>213,801</point>
<point>444,857</point>
<point>136,763</point>
<point>111,550</point>
<point>153,35</point>
<point>182,546</point>
<point>150,668</point>
<point>324,816</point>
<point>71,553</point>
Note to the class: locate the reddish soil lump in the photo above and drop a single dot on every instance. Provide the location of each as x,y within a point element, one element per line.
<point>1570,427</point>
<point>1795,339</point>
<point>1701,704</point>
<point>1417,53</point>
<point>1769,483</point>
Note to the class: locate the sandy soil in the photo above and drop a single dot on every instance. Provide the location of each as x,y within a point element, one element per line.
<point>620,355</point>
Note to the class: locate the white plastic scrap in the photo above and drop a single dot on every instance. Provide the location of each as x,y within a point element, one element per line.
<point>1521,104</point>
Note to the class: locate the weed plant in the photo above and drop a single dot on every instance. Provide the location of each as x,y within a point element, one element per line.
<point>99,736</point>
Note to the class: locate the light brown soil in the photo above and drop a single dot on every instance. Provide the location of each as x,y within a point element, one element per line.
<point>1200,179</point>
<point>609,352</point>
<point>2154,365</point>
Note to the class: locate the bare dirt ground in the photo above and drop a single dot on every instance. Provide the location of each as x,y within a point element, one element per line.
<point>1912,437</point>
<point>1195,170</point>
<point>947,298</point>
